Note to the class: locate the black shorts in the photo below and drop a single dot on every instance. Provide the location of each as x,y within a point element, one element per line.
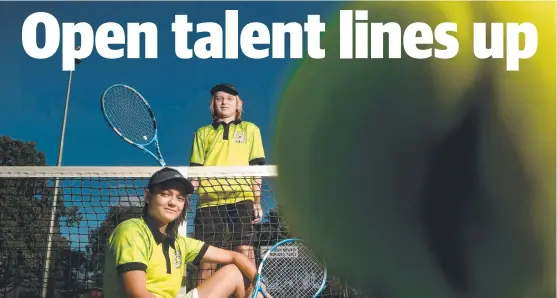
<point>211,224</point>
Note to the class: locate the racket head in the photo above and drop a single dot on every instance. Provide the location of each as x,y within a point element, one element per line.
<point>129,115</point>
<point>291,269</point>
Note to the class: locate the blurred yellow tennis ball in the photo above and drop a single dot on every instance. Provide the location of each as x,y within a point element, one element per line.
<point>426,178</point>
<point>518,166</point>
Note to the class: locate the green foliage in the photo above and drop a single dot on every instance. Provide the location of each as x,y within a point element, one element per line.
<point>19,153</point>
<point>24,222</point>
<point>25,218</point>
<point>98,238</point>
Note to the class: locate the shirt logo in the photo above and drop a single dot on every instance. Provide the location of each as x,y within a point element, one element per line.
<point>177,259</point>
<point>240,137</point>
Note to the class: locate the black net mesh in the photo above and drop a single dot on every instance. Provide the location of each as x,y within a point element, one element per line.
<point>90,205</point>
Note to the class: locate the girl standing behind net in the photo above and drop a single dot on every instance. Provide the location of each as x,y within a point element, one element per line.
<point>231,203</point>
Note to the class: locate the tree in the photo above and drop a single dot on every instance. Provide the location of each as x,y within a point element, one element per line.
<point>98,238</point>
<point>25,206</point>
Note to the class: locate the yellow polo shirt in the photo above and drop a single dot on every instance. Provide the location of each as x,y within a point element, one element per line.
<point>137,244</point>
<point>237,143</point>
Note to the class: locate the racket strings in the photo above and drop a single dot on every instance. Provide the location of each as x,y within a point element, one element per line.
<point>130,116</point>
<point>293,271</point>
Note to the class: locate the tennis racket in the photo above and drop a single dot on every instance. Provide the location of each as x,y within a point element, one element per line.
<point>289,269</point>
<point>128,113</point>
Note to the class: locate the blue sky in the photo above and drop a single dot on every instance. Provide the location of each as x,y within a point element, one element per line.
<point>33,91</point>
<point>178,90</point>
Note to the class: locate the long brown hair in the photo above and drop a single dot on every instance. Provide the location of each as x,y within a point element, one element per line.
<point>239,108</point>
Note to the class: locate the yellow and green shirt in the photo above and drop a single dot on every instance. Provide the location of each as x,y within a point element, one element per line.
<point>137,244</point>
<point>237,143</point>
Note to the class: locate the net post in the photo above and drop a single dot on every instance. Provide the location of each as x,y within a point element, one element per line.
<point>47,260</point>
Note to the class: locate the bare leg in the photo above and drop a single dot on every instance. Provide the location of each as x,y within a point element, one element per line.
<point>206,270</point>
<point>225,282</point>
<point>210,227</point>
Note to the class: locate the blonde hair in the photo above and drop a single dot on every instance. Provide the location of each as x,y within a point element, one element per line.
<point>239,108</point>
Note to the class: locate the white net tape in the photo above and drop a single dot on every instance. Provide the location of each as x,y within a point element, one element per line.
<point>91,202</point>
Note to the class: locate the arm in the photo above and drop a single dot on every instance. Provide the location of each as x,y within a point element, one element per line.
<point>134,283</point>
<point>257,157</point>
<point>257,209</point>
<point>129,249</point>
<point>223,256</point>
<point>256,187</point>
<point>197,156</point>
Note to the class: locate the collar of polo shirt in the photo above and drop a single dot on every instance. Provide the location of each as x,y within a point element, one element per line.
<point>157,234</point>
<point>217,123</point>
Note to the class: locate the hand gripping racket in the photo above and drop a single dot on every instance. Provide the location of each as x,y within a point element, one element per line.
<point>290,269</point>
<point>131,117</point>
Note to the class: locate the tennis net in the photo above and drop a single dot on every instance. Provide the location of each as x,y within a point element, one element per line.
<point>66,238</point>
